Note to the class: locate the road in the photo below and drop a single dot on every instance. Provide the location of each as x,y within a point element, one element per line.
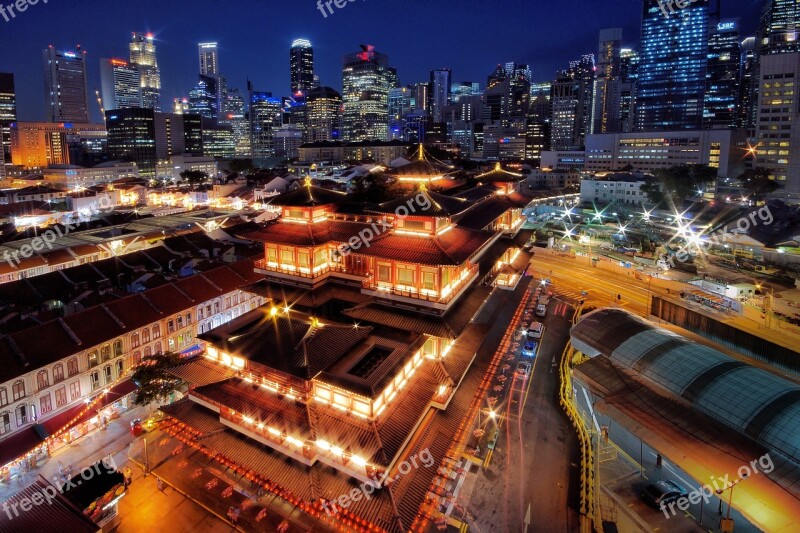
<point>534,467</point>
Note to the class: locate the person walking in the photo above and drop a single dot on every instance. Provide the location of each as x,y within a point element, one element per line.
<point>128,473</point>
<point>160,484</point>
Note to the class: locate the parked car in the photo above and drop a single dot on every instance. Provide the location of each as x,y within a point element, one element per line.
<point>530,348</point>
<point>535,330</point>
<point>523,369</point>
<point>662,493</point>
<point>541,310</point>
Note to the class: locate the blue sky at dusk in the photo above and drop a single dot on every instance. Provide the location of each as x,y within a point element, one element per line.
<point>469,36</point>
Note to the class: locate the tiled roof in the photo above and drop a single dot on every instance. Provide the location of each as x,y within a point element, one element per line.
<point>308,197</point>
<point>478,193</point>
<point>424,203</point>
<point>484,213</point>
<point>308,234</point>
<point>499,174</point>
<point>58,515</point>
<point>421,168</point>
<point>451,248</point>
<point>199,371</point>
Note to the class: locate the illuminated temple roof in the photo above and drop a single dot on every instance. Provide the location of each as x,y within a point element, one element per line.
<point>308,196</point>
<point>498,174</point>
<point>451,248</point>
<point>424,203</point>
<point>308,234</point>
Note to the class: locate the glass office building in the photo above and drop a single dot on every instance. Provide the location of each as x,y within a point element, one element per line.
<point>723,76</point>
<point>672,69</point>
<point>301,66</point>
<point>366,80</point>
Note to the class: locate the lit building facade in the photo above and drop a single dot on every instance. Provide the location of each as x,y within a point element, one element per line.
<point>301,67</point>
<point>120,83</point>
<point>8,115</point>
<point>778,28</point>
<point>571,101</point>
<point>366,81</point>
<point>265,117</point>
<point>39,144</point>
<point>65,85</point>
<point>209,59</point>
<point>672,69</point>
<point>723,77</point>
<point>608,83</point>
<point>143,55</point>
<point>441,80</point>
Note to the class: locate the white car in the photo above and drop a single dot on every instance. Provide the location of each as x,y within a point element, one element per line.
<point>523,369</point>
<point>535,330</point>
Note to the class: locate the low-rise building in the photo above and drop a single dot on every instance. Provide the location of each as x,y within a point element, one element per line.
<point>622,187</point>
<point>378,151</point>
<point>74,177</point>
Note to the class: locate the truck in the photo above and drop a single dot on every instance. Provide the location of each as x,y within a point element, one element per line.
<point>658,262</point>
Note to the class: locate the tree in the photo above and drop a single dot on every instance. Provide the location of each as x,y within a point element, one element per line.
<point>674,184</point>
<point>155,383</point>
<point>241,166</point>
<point>194,177</point>
<point>758,181</point>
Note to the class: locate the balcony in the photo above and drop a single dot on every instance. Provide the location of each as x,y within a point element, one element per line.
<point>440,301</point>
<point>302,275</point>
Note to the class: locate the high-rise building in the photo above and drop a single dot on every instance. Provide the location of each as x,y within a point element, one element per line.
<point>778,126</point>
<point>40,144</point>
<point>722,76</point>
<point>218,141</point>
<point>672,69</point>
<point>608,83</point>
<point>265,119</point>
<point>120,84</point>
<point>779,26</point>
<point>301,67</point>
<point>65,85</point>
<point>366,80</point>
<point>441,80</point>
<point>465,88</point>
<point>571,101</point>
<point>143,55</point>
<point>324,114</point>
<point>204,98</point>
<point>180,106</point>
<point>235,117</point>
<point>146,137</point>
<point>209,59</point>
<point>422,97</point>
<point>401,103</point>
<point>629,73</point>
<point>8,115</point>
<point>748,87</point>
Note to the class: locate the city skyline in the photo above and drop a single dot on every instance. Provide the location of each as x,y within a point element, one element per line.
<point>546,50</point>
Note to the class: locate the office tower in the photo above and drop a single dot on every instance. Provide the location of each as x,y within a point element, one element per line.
<point>120,84</point>
<point>722,76</point>
<point>571,101</point>
<point>629,64</point>
<point>301,67</point>
<point>39,144</point>
<point>465,88</point>
<point>204,98</point>
<point>441,80</point>
<point>422,97</point>
<point>366,80</point>
<point>401,103</point>
<point>209,59</point>
<point>65,85</point>
<point>146,137</point>
<point>498,76</point>
<point>180,106</point>
<point>8,114</point>
<point>519,89</point>
<point>778,28</point>
<point>608,83</point>
<point>143,55</point>
<point>747,107</point>
<point>629,73</point>
<point>778,126</point>
<point>218,140</point>
<point>265,119</point>
<point>236,117</point>
<point>672,69</point>
<point>324,109</point>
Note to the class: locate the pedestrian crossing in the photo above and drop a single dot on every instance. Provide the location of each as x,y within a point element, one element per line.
<point>567,293</point>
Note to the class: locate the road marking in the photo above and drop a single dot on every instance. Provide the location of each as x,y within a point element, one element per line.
<point>591,411</point>
<point>668,467</point>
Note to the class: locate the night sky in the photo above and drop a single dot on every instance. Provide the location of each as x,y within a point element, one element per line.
<point>469,36</point>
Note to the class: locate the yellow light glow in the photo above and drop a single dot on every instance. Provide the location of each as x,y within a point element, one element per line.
<point>324,445</point>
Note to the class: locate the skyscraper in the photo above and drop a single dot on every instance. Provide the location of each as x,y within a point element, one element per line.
<point>204,98</point>
<point>301,66</point>
<point>265,119</point>
<point>324,114</point>
<point>779,26</point>
<point>143,56</point>
<point>401,103</point>
<point>671,84</point>
<point>722,76</point>
<point>441,80</point>
<point>209,59</point>
<point>748,87</point>
<point>8,115</point>
<point>422,97</point>
<point>571,101</point>
<point>65,85</point>
<point>120,84</point>
<point>608,84</point>
<point>366,80</point>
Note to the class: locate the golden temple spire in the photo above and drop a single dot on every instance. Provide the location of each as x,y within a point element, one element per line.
<point>307,182</point>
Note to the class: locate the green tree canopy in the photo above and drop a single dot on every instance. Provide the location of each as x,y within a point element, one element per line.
<point>673,185</point>
<point>758,181</point>
<point>155,383</point>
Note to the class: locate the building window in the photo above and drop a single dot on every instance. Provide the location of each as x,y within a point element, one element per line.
<point>117,347</point>
<point>188,318</point>
<point>137,358</point>
<point>93,360</point>
<point>107,374</point>
<point>405,276</point>
<point>22,415</point>
<point>18,390</point>
<point>61,396</point>
<point>42,380</point>
<point>120,368</point>
<point>45,406</point>
<point>384,273</point>
<point>429,281</point>
<point>5,423</point>
<point>156,331</point>
<point>146,335</point>
<point>135,340</point>
<point>3,396</point>
<point>171,326</point>
<point>58,373</point>
<point>75,390</point>
<point>72,367</point>
<point>158,347</point>
<point>148,352</point>
<point>105,352</point>
<point>94,378</point>
<point>180,322</point>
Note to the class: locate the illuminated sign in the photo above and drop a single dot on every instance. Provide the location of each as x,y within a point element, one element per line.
<point>726,26</point>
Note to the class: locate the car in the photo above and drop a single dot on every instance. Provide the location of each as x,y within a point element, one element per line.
<point>541,310</point>
<point>662,493</point>
<point>523,369</point>
<point>530,348</point>
<point>535,330</point>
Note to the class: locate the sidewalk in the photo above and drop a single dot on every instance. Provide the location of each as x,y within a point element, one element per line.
<point>83,452</point>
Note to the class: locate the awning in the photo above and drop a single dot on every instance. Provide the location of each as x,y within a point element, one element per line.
<point>72,416</point>
<point>19,444</point>
<point>195,349</point>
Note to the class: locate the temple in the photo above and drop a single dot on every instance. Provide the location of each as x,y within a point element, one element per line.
<point>356,361</point>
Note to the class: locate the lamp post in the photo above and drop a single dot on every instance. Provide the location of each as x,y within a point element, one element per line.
<point>726,524</point>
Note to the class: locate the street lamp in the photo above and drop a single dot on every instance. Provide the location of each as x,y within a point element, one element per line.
<point>726,524</point>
